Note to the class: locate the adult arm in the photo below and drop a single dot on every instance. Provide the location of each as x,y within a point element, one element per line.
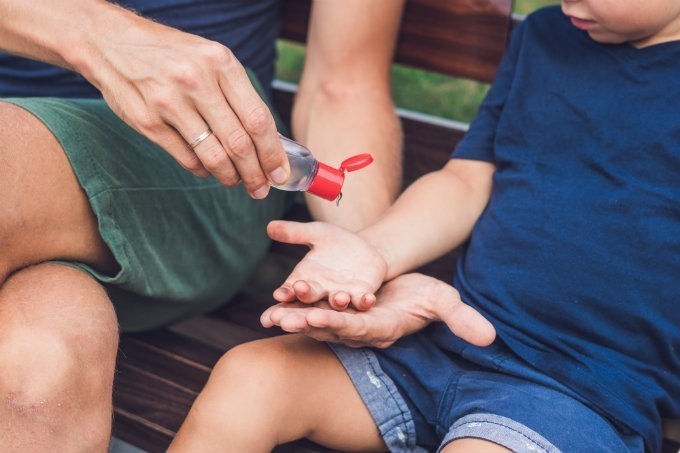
<point>434,215</point>
<point>166,84</point>
<point>344,104</point>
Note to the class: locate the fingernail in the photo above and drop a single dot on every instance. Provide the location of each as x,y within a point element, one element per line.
<point>260,192</point>
<point>278,176</point>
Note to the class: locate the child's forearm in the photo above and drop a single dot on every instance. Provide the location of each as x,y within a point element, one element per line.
<point>434,215</point>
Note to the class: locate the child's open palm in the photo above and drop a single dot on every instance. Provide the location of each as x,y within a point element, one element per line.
<point>340,266</point>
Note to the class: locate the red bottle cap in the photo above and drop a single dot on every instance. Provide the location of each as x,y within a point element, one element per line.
<point>328,180</point>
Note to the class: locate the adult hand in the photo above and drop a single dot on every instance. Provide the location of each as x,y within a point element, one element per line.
<point>340,266</point>
<point>404,305</point>
<point>192,97</point>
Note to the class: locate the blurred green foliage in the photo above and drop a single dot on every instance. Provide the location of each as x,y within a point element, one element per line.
<point>414,89</point>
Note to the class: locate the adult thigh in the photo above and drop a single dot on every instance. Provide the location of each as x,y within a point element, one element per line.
<point>44,213</point>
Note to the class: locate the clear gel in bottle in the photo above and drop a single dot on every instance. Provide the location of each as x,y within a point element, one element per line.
<point>309,175</point>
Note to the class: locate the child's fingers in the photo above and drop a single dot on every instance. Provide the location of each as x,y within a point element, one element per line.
<point>284,294</point>
<point>292,232</point>
<point>293,321</point>
<point>289,317</point>
<point>344,327</point>
<point>309,291</point>
<point>340,324</point>
<point>364,302</point>
<point>283,231</point>
<point>272,316</point>
<point>300,290</point>
<point>265,320</point>
<point>339,300</point>
<point>325,319</point>
<point>467,323</point>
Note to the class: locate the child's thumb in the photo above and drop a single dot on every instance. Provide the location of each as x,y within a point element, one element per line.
<point>467,323</point>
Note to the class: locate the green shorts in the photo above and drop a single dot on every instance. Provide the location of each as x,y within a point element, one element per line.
<point>184,244</point>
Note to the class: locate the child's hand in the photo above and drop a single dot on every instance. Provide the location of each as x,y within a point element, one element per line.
<point>404,305</point>
<point>340,267</point>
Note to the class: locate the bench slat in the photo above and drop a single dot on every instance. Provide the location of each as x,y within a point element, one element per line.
<point>174,346</point>
<point>154,406</point>
<point>219,333</point>
<point>185,372</point>
<point>138,432</point>
<point>462,38</point>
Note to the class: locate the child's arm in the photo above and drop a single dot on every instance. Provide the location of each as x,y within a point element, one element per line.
<point>434,215</point>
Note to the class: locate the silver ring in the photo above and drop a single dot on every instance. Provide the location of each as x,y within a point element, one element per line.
<point>197,141</point>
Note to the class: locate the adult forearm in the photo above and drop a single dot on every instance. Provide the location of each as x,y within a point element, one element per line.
<point>60,32</point>
<point>336,122</point>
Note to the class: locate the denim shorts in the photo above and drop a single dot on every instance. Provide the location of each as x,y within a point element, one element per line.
<point>422,397</point>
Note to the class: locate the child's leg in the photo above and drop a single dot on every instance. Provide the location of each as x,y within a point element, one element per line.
<point>273,391</point>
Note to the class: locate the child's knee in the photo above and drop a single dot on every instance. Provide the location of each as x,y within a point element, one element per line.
<point>264,367</point>
<point>259,358</point>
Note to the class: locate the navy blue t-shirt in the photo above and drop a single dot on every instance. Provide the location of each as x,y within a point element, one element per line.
<point>248,27</point>
<point>576,258</point>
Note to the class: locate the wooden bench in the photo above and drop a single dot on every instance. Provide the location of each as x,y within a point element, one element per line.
<point>160,373</point>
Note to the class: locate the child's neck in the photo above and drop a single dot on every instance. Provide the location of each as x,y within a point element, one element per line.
<point>669,33</point>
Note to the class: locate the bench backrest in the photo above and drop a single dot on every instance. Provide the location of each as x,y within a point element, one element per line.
<point>463,38</point>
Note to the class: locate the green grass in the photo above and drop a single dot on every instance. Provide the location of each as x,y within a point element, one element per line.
<point>527,6</point>
<point>414,89</point>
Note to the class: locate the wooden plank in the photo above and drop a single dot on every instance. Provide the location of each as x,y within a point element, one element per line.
<point>456,37</point>
<point>463,38</point>
<point>139,432</point>
<point>173,346</point>
<point>159,374</point>
<point>222,334</point>
<point>671,429</point>
<point>186,373</point>
<point>245,310</point>
<point>428,144</point>
<point>670,446</point>
<point>154,406</point>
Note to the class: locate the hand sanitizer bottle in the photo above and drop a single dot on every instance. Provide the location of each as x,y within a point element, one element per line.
<point>309,175</point>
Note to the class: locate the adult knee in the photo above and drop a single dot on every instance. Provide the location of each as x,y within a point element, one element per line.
<point>58,342</point>
<point>52,372</point>
<point>53,391</point>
